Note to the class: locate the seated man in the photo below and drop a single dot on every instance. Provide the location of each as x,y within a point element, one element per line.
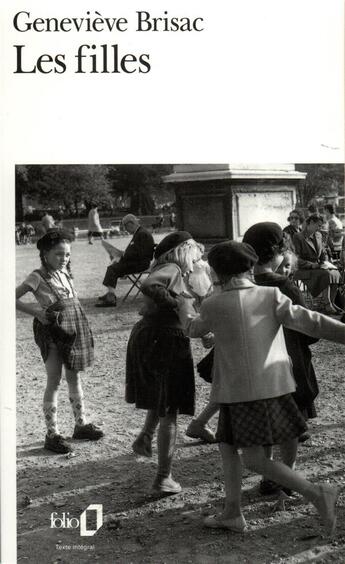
<point>314,269</point>
<point>136,258</point>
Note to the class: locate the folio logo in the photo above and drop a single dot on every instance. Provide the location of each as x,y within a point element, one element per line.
<point>65,521</point>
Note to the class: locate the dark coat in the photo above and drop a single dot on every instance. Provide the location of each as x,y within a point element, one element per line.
<point>297,345</point>
<point>309,251</point>
<point>290,231</point>
<point>140,249</point>
<point>159,365</point>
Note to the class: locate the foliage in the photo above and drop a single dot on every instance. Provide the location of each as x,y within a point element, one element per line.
<point>322,179</point>
<point>71,185</point>
<point>67,185</point>
<point>139,182</point>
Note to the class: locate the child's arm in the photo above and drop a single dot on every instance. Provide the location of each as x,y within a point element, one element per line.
<point>308,322</point>
<point>194,325</point>
<point>163,286</point>
<point>32,309</point>
<point>160,295</point>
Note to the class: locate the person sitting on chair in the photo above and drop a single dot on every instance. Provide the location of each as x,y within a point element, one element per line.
<point>335,229</point>
<point>314,268</point>
<point>136,258</point>
<point>295,219</point>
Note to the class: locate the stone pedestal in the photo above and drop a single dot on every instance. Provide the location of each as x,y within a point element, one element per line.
<point>216,202</point>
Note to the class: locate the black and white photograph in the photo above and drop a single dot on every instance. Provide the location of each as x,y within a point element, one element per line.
<point>179,332</point>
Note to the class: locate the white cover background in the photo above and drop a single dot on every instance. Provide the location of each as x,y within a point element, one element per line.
<point>263,83</point>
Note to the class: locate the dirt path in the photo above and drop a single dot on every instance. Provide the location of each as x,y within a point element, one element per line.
<point>139,527</point>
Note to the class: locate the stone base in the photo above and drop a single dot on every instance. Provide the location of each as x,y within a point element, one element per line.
<point>217,202</point>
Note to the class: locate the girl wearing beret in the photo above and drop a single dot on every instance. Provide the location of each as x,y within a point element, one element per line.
<point>62,333</point>
<point>269,243</point>
<point>252,378</point>
<point>159,370</point>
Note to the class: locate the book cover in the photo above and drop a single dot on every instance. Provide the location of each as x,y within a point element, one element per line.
<point>136,107</point>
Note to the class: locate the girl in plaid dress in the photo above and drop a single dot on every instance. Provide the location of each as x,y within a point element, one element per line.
<point>252,378</point>
<point>62,333</point>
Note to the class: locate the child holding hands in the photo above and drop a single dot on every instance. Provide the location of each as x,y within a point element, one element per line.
<point>252,378</point>
<point>159,368</point>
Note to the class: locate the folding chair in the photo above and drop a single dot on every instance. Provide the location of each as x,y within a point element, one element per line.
<point>310,302</point>
<point>136,284</point>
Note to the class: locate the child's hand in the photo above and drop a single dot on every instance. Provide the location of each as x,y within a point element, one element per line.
<point>41,316</point>
<point>185,304</point>
<point>208,340</point>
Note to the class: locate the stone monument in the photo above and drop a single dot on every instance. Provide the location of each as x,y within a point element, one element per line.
<point>220,201</point>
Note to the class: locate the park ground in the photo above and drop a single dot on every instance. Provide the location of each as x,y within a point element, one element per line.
<point>138,527</point>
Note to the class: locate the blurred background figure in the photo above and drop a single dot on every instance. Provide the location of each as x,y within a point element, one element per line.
<point>47,222</point>
<point>335,231</point>
<point>94,225</point>
<point>172,220</point>
<point>30,232</point>
<point>114,229</point>
<point>24,233</point>
<point>296,220</point>
<point>158,223</point>
<point>312,209</point>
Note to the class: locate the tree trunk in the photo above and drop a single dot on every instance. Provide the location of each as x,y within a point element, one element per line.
<point>19,203</point>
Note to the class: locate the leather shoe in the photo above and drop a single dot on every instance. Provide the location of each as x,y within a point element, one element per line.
<point>196,430</point>
<point>109,300</point>
<point>143,445</point>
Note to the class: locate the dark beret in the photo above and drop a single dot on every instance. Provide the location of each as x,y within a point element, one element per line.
<point>263,236</point>
<point>230,257</point>
<point>171,241</point>
<point>53,237</point>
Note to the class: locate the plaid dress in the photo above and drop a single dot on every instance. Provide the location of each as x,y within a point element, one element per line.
<point>261,422</point>
<point>69,330</point>
<point>159,369</point>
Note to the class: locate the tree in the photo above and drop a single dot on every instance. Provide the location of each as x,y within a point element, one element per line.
<point>69,185</point>
<point>140,182</point>
<point>322,179</point>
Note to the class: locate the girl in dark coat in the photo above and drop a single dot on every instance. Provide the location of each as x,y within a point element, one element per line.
<point>159,369</point>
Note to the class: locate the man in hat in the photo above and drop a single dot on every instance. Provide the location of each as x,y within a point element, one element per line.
<point>136,258</point>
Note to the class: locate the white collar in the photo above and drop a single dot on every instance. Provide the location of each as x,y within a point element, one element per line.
<point>235,283</point>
